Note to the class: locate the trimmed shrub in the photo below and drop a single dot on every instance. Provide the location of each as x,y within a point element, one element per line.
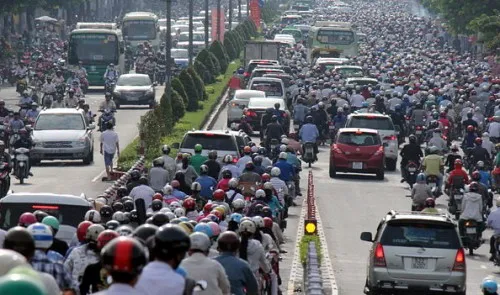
<point>178,107</point>
<point>218,50</point>
<point>204,57</point>
<point>151,126</point>
<point>190,87</point>
<point>203,72</point>
<point>230,48</point>
<point>177,86</point>
<point>216,63</point>
<point>200,86</point>
<point>165,115</point>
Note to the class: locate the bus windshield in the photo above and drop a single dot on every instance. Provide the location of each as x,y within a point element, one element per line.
<point>329,36</point>
<point>139,29</point>
<point>93,48</point>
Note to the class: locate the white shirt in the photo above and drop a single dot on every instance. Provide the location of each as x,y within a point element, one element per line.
<point>109,139</point>
<point>494,129</point>
<point>201,268</point>
<point>143,192</point>
<point>119,289</point>
<point>357,100</point>
<point>158,278</point>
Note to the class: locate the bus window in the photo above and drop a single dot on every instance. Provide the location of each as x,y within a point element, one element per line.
<point>335,37</point>
<point>100,48</point>
<point>139,29</point>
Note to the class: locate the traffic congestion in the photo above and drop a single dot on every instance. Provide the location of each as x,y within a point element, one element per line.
<point>399,124</point>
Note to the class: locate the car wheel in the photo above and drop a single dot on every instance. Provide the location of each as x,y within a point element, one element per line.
<point>390,164</point>
<point>89,158</point>
<point>381,174</point>
<point>332,171</point>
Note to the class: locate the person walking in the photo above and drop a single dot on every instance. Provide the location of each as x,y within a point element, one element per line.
<point>109,146</point>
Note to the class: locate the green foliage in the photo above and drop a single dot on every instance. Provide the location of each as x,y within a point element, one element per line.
<point>177,86</point>
<point>152,127</point>
<point>215,62</point>
<point>178,107</point>
<point>204,57</point>
<point>489,28</point>
<point>203,72</point>
<point>304,246</point>
<point>191,91</point>
<point>200,86</point>
<point>218,50</point>
<point>166,118</point>
<point>229,46</point>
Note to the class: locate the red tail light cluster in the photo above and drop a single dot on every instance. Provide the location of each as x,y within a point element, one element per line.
<point>392,137</point>
<point>379,256</point>
<point>336,149</point>
<point>250,113</point>
<point>380,151</point>
<point>459,264</point>
<point>246,74</point>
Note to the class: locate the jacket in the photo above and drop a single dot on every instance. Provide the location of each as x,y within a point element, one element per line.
<point>158,278</point>
<point>214,168</point>
<point>420,192</point>
<point>77,262</point>
<point>256,257</point>
<point>458,171</point>
<point>200,267</point>
<point>197,160</point>
<point>287,170</point>
<point>239,274</point>
<point>472,207</point>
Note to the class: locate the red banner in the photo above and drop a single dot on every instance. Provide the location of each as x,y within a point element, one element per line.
<point>214,24</point>
<point>255,13</point>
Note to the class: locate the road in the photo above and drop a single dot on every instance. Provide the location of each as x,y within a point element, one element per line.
<point>72,177</point>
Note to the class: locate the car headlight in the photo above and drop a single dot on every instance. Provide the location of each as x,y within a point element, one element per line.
<point>150,91</point>
<point>80,142</point>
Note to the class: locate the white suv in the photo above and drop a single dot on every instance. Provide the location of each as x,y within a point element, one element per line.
<point>239,102</point>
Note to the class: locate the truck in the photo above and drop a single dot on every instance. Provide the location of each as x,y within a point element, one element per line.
<point>269,50</point>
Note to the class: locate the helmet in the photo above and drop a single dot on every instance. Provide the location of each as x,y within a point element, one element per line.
<point>124,230</point>
<point>247,226</point>
<point>260,194</point>
<point>81,231</point>
<point>478,141</point>
<point>20,240</point>
<point>93,232</point>
<point>275,172</point>
<point>160,219</point>
<point>430,203</point>
<point>128,206</point>
<point>189,204</point>
<point>412,138</point>
<point>40,215</point>
<point>219,195</point>
<point>204,228</point>
<point>238,204</point>
<point>106,211</point>
<point>42,234</point>
<point>167,189</point>
<point>262,151</point>
<point>93,216</point>
<point>489,286</point>
<point>156,205</point>
<point>112,224</point>
<point>52,222</point>
<point>421,178</point>
<point>165,149</point>
<point>215,228</point>
<point>117,206</point>
<point>227,159</point>
<point>265,177</point>
<point>473,186</point>
<point>171,239</point>
<point>175,183</point>
<point>259,221</point>
<point>105,237</point>
<point>268,186</point>
<point>145,231</point>
<point>283,155</point>
<point>480,164</point>
<point>228,241</point>
<point>186,226</point>
<point>249,166</point>
<point>226,174</point>
<point>268,222</point>
<point>236,217</point>
<point>203,169</point>
<point>10,259</point>
<point>476,176</point>
<point>458,163</point>
<point>198,148</point>
<point>179,212</point>
<point>174,205</point>
<point>200,241</point>
<point>132,255</point>
<point>26,219</point>
<point>196,186</point>
<point>212,155</point>
<point>470,128</point>
<point>233,183</point>
<point>13,284</point>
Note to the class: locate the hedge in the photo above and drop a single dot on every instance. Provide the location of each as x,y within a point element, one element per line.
<point>178,107</point>
<point>204,58</point>
<point>218,50</point>
<point>200,86</point>
<point>192,92</point>
<point>177,86</point>
<point>203,72</point>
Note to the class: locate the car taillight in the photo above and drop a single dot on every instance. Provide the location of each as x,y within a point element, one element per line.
<point>459,264</point>
<point>392,137</point>
<point>235,105</point>
<point>250,114</point>
<point>336,149</point>
<point>246,74</point>
<point>419,127</point>
<point>378,256</point>
<point>380,151</point>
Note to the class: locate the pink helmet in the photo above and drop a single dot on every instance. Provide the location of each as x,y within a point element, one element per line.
<point>27,219</point>
<point>215,228</point>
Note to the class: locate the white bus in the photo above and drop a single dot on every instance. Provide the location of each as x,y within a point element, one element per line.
<point>138,27</point>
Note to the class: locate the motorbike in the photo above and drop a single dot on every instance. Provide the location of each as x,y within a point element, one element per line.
<point>274,151</point>
<point>84,84</point>
<point>309,156</point>
<point>13,137</point>
<point>432,181</point>
<point>332,130</point>
<point>455,204</point>
<point>4,179</point>
<point>496,259</point>
<point>21,163</point>
<point>420,133</point>
<point>21,84</point>
<point>411,173</point>
<point>109,86</point>
<point>160,74</point>
<point>472,237</point>
<point>107,116</point>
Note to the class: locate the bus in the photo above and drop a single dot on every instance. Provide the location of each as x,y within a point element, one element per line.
<point>138,27</point>
<point>107,26</point>
<point>96,49</point>
<point>332,39</point>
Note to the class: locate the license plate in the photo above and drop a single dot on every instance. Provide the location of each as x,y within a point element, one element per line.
<point>295,126</point>
<point>133,98</point>
<point>331,127</point>
<point>418,132</point>
<point>412,169</point>
<point>357,165</point>
<point>418,263</point>
<point>471,230</point>
<point>22,157</point>
<point>432,185</point>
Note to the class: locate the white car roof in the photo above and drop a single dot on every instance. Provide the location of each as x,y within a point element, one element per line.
<point>247,93</point>
<point>45,198</point>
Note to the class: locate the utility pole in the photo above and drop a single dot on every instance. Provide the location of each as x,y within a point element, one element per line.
<point>230,15</point>
<point>190,45</point>
<point>248,8</point>
<point>218,20</point>
<point>168,74</point>
<point>239,11</point>
<point>206,23</point>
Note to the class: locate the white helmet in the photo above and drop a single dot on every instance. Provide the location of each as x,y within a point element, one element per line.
<point>174,205</point>
<point>179,212</point>
<point>247,226</point>
<point>285,141</point>
<point>233,183</point>
<point>165,210</point>
<point>260,194</point>
<point>238,204</point>
<point>282,149</point>
<point>124,231</point>
<point>268,185</point>
<point>168,189</point>
<point>200,241</point>
<point>170,215</point>
<point>93,216</point>
<point>118,216</point>
<point>228,159</point>
<point>10,259</point>
<point>283,155</point>
<point>275,171</point>
<point>254,149</point>
<point>196,186</point>
<point>259,221</point>
<point>42,234</point>
<point>486,134</point>
<point>93,232</point>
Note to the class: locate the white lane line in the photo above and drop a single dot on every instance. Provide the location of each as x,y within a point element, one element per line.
<point>484,266</point>
<point>296,271</point>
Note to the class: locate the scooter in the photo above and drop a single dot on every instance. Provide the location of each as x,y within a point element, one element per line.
<point>309,156</point>
<point>432,181</point>
<point>107,116</point>
<point>21,163</point>
<point>4,179</point>
<point>455,204</point>
<point>109,86</point>
<point>273,152</point>
<point>472,237</point>
<point>21,84</point>
<point>411,173</point>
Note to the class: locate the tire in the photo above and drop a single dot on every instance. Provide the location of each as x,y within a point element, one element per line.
<point>381,174</point>
<point>471,251</point>
<point>310,164</point>
<point>89,159</point>
<point>390,164</point>
<point>332,171</point>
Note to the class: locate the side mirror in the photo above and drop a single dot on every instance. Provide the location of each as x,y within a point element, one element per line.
<point>176,145</point>
<point>366,236</point>
<point>91,127</point>
<point>155,84</point>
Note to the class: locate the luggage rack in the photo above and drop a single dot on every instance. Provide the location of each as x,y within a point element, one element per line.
<point>394,213</point>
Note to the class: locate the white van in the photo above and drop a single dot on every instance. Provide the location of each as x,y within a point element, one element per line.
<point>239,102</point>
<point>273,87</point>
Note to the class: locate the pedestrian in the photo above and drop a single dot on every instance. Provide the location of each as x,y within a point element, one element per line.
<point>109,146</point>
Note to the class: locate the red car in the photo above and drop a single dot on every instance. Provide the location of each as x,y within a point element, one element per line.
<point>357,150</point>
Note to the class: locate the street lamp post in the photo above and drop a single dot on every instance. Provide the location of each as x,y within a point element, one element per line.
<point>239,11</point>
<point>218,20</point>
<point>168,71</point>
<point>206,23</point>
<point>230,14</point>
<point>190,45</point>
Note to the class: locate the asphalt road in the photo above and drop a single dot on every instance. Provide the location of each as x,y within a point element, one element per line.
<point>72,177</point>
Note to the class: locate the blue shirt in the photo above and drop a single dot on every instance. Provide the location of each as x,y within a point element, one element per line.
<point>208,185</point>
<point>178,194</point>
<point>287,170</point>
<point>309,132</point>
<point>293,160</point>
<point>485,178</point>
<point>239,274</point>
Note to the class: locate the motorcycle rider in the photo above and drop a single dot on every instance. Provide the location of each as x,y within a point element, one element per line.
<point>265,121</point>
<point>433,165</point>
<point>5,157</point>
<point>299,112</point>
<point>430,205</point>
<point>478,153</point>
<point>59,102</point>
<point>24,141</point>
<point>470,121</point>
<point>450,159</point>
<point>483,189</point>
<point>420,192</point>
<point>32,113</point>
<point>4,112</point>
<point>309,133</point>
<point>493,222</point>
<point>279,185</point>
<point>168,162</point>
<point>229,165</point>
<point>410,152</point>
<point>494,129</point>
<point>274,130</point>
<point>488,145</point>
<point>457,175</point>
<point>25,100</point>
<point>198,159</point>
<point>472,208</point>
<point>107,105</point>
<point>213,165</point>
<point>398,118</point>
<point>49,89</point>
<point>111,74</point>
<point>469,138</point>
<point>71,100</point>
<point>249,175</point>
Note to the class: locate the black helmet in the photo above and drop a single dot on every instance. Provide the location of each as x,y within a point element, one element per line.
<point>212,155</point>
<point>128,206</point>
<point>117,206</point>
<point>227,174</point>
<point>412,138</point>
<point>106,211</point>
<point>145,231</point>
<point>257,160</point>
<point>262,151</point>
<point>134,216</point>
<point>20,240</point>
<point>135,175</point>
<point>473,186</point>
<point>121,192</point>
<point>40,215</point>
<point>112,225</point>
<point>132,255</point>
<point>156,205</point>
<point>274,118</point>
<point>309,119</point>
<point>170,240</point>
<point>249,166</point>
<point>160,219</point>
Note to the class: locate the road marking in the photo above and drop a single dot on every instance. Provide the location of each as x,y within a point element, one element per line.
<point>103,172</point>
<point>296,271</point>
<point>484,266</point>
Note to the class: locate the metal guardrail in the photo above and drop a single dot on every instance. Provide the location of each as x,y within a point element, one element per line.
<point>122,179</point>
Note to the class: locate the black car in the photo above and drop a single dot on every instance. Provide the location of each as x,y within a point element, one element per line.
<point>134,89</point>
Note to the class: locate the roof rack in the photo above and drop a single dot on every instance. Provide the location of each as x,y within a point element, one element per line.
<point>393,213</point>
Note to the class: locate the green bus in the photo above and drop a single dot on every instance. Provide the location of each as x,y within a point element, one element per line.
<point>295,32</point>
<point>96,49</point>
<point>332,39</point>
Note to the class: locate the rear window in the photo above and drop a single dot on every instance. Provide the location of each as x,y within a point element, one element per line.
<point>209,142</point>
<point>421,234</point>
<point>270,88</point>
<point>286,79</point>
<point>263,103</point>
<point>262,72</point>
<point>363,139</point>
<point>377,123</point>
<point>66,214</point>
<point>253,65</point>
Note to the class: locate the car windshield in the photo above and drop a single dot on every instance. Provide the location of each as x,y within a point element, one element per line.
<point>420,234</point>
<point>270,88</point>
<point>264,104</point>
<point>350,72</point>
<point>60,122</point>
<point>179,54</point>
<point>358,139</point>
<point>67,214</point>
<point>378,123</point>
<point>134,80</point>
<point>209,141</point>
<point>252,66</point>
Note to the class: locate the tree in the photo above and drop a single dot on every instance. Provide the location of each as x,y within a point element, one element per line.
<point>203,72</point>
<point>178,106</point>
<point>200,86</point>
<point>228,45</point>
<point>204,57</point>
<point>218,50</point>
<point>216,63</point>
<point>177,86</point>
<point>151,126</point>
<point>192,92</point>
<point>489,29</point>
<point>165,115</point>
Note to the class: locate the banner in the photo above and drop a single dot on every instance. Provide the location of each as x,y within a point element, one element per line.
<point>214,24</point>
<point>255,13</point>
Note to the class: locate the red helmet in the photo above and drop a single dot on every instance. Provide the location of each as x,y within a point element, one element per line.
<point>470,128</point>
<point>219,195</point>
<point>268,222</point>
<point>81,231</point>
<point>478,141</point>
<point>217,213</point>
<point>247,150</point>
<point>266,177</point>
<point>430,203</point>
<point>458,163</point>
<point>175,184</point>
<point>189,204</point>
<point>476,176</point>
<point>207,208</point>
<point>26,219</point>
<point>158,196</point>
<point>105,237</point>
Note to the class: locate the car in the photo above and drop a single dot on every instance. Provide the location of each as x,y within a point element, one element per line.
<point>257,107</point>
<point>286,78</point>
<point>358,150</point>
<point>68,209</point>
<point>62,134</point>
<point>383,124</point>
<point>134,89</point>
<point>181,57</point>
<point>361,81</point>
<point>349,71</point>
<point>253,63</point>
<point>273,87</point>
<point>328,63</point>
<point>224,142</point>
<point>415,252</point>
<point>261,71</point>
<point>198,41</point>
<point>239,102</point>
